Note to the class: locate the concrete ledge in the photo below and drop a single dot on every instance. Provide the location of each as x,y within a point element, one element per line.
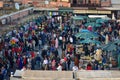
<point>36,74</point>
<point>68,75</point>
<point>99,79</point>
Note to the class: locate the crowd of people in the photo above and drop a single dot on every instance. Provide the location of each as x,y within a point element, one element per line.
<point>45,44</point>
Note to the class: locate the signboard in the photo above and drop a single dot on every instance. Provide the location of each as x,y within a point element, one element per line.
<point>1,4</point>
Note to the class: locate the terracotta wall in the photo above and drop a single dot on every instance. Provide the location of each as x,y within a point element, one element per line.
<point>92,1</point>
<point>41,3</point>
<point>58,4</point>
<point>95,1</point>
<point>23,1</point>
<point>106,3</point>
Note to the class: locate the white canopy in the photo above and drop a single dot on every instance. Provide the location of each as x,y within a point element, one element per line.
<point>97,16</point>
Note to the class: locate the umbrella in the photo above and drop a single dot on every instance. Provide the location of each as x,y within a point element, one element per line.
<point>93,24</point>
<point>86,35</point>
<point>109,47</point>
<point>101,21</point>
<point>90,41</point>
<point>84,17</point>
<point>84,30</point>
<point>78,18</point>
<point>117,41</point>
<point>91,19</point>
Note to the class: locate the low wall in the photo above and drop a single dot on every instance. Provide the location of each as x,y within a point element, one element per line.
<point>98,75</point>
<point>16,15</point>
<point>47,75</point>
<point>68,75</point>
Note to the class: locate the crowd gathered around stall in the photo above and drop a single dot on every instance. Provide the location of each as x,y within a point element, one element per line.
<point>49,43</point>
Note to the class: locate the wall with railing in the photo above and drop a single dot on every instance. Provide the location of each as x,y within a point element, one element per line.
<point>15,15</point>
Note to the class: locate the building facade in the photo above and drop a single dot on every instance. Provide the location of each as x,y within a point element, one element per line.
<point>71,3</point>
<point>106,3</point>
<point>85,3</point>
<point>90,3</point>
<point>51,4</point>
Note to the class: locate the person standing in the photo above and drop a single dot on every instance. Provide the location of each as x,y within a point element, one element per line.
<point>56,43</point>
<point>45,63</point>
<point>75,68</point>
<point>119,61</point>
<point>1,75</point>
<point>33,63</point>
<point>38,60</point>
<point>59,68</point>
<point>89,66</point>
<point>53,65</point>
<point>40,43</point>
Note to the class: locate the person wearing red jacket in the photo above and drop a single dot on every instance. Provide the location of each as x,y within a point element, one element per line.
<point>89,66</point>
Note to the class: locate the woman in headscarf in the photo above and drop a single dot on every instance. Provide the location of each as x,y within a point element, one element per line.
<point>53,65</point>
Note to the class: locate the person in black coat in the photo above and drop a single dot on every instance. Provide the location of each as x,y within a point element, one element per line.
<point>56,52</point>
<point>33,64</point>
<point>1,75</point>
<point>63,46</point>
<point>44,53</point>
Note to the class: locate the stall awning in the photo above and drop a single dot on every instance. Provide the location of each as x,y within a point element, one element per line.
<point>92,11</point>
<point>64,9</point>
<point>46,9</point>
<point>77,18</point>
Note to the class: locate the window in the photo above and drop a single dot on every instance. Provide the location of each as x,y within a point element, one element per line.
<point>103,0</point>
<point>80,1</point>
